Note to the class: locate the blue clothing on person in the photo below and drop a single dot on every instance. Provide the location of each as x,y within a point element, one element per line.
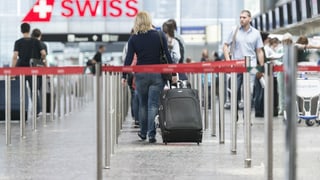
<point>147,46</point>
<point>246,43</point>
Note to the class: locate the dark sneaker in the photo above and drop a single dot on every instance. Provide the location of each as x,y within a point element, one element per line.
<point>136,124</point>
<point>142,137</point>
<point>152,140</point>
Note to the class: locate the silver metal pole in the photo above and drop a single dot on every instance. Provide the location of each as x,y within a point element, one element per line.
<point>247,115</point>
<point>195,82</point>
<point>69,93</point>
<point>290,70</point>
<point>205,100</point>
<point>200,89</point>
<point>82,91</point>
<point>59,96</point>
<point>34,102</point>
<point>121,105</point>
<point>107,100</point>
<point>52,95</point>
<point>78,91</point>
<point>268,118</point>
<point>74,92</point>
<point>114,112</point>
<point>22,106</point>
<point>8,108</point>
<point>221,109</point>
<point>64,95</point>
<point>44,100</point>
<point>213,105</point>
<point>118,101</point>
<point>234,113</point>
<point>99,124</point>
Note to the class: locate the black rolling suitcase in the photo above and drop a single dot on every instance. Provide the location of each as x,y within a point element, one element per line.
<point>15,100</point>
<point>179,116</point>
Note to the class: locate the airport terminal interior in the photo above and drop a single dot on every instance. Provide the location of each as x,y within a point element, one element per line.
<point>262,125</point>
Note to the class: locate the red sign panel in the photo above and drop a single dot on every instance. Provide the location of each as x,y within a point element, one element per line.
<point>42,9</point>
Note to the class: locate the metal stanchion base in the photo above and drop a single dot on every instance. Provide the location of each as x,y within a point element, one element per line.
<point>233,152</point>
<point>213,135</point>
<point>107,167</point>
<point>222,142</point>
<point>247,163</point>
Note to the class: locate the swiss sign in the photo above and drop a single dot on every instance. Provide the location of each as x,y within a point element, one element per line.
<point>42,9</point>
<point>40,12</point>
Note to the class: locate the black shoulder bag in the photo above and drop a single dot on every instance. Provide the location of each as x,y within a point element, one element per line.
<point>164,60</point>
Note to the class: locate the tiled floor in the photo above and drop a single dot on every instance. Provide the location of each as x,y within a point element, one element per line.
<point>66,149</point>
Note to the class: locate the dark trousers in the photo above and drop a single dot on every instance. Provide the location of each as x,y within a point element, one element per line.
<point>39,88</point>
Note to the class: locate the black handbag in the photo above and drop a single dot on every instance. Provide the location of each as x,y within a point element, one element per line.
<point>164,60</point>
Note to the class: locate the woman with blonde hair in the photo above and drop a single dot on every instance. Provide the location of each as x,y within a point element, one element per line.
<point>145,43</point>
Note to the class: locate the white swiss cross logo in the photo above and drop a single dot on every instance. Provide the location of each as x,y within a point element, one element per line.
<point>43,9</point>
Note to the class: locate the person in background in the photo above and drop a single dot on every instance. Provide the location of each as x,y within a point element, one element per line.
<point>97,58</point>
<point>176,47</point>
<point>248,42</point>
<point>176,34</point>
<point>189,60</point>
<point>303,53</point>
<point>132,87</point>
<point>26,48</point>
<point>36,33</point>
<point>204,55</point>
<point>145,43</point>
<point>303,43</point>
<point>215,56</point>
<point>173,44</point>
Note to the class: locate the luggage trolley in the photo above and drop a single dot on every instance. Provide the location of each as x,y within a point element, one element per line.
<point>308,100</point>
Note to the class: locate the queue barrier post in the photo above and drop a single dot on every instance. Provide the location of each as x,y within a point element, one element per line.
<point>34,102</point>
<point>22,106</point>
<point>118,109</point>
<point>290,72</point>
<point>8,108</point>
<point>107,100</point>
<point>69,94</point>
<point>213,104</point>
<point>52,98</point>
<point>205,100</point>
<point>196,84</point>
<point>114,113</point>
<point>44,99</point>
<point>247,114</point>
<point>234,113</point>
<point>221,110</point>
<point>83,91</point>
<point>58,96</point>
<point>122,102</point>
<point>64,95</point>
<point>99,123</point>
<point>268,120</point>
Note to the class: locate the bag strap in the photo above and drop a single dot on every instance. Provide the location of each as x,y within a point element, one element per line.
<point>162,50</point>
<point>234,40</point>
